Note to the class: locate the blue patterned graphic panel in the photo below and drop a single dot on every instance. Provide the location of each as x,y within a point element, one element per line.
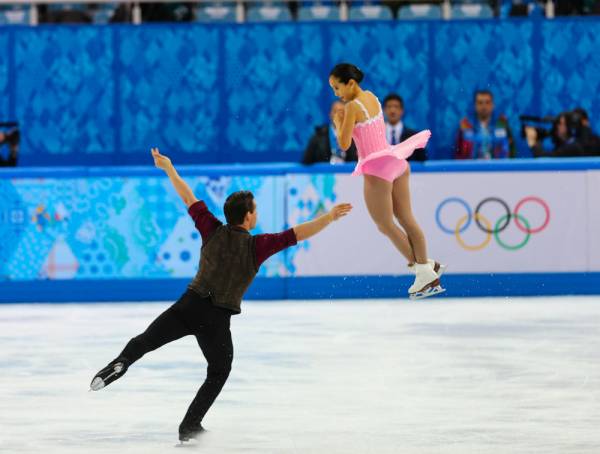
<point>480,55</point>
<point>169,89</point>
<point>273,83</point>
<point>244,93</point>
<point>308,196</point>
<point>570,68</point>
<point>394,58</point>
<point>65,90</point>
<point>99,228</point>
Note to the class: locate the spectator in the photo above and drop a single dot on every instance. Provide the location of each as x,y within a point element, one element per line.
<point>583,115</point>
<point>323,146</point>
<point>486,136</point>
<point>571,135</point>
<point>11,139</point>
<point>395,131</point>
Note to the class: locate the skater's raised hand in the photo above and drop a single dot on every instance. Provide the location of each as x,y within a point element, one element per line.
<point>340,210</point>
<point>182,188</point>
<point>160,161</point>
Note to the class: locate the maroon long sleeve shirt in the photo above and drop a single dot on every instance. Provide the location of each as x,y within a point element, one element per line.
<point>267,244</point>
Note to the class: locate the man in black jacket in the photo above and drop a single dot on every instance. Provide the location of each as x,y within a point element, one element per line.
<point>323,146</point>
<point>395,130</point>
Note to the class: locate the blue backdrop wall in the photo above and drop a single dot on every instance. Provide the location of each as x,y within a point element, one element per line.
<point>252,93</point>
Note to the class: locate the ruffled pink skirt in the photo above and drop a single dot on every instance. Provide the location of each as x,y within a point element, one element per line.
<point>389,164</point>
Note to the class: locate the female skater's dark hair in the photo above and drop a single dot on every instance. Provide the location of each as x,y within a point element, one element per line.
<point>237,206</point>
<point>346,72</point>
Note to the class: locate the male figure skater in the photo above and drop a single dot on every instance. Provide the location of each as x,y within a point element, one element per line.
<point>229,261</point>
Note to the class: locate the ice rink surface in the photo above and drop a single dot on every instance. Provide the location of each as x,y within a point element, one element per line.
<point>372,376</point>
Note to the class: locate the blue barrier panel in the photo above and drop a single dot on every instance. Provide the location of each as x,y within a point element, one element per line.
<point>325,287</point>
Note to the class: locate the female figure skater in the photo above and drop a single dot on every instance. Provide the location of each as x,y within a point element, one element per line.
<point>386,173</point>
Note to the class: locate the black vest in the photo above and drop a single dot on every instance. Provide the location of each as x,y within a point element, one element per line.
<point>227,267</point>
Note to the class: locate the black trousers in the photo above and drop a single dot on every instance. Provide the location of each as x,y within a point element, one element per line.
<point>195,315</point>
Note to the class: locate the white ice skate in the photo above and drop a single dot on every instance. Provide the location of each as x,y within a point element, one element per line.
<point>427,282</point>
<point>438,267</point>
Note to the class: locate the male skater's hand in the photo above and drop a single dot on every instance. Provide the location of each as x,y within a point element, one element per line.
<point>340,210</point>
<point>160,161</point>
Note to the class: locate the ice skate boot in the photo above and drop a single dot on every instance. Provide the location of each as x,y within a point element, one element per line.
<point>115,370</point>
<point>427,282</point>
<point>438,267</point>
<point>187,433</point>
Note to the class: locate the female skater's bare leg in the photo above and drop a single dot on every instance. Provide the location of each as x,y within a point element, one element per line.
<point>378,198</point>
<point>403,212</point>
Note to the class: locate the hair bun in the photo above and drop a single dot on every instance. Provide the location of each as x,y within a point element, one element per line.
<point>346,72</point>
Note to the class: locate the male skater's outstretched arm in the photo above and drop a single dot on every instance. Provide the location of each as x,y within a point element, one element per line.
<point>230,258</point>
<point>182,188</point>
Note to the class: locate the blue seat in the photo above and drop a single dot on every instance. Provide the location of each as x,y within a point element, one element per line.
<point>319,12</point>
<point>217,12</point>
<point>269,13</point>
<point>350,2</point>
<point>521,8</point>
<point>67,7</point>
<point>370,12</point>
<point>14,16</point>
<point>420,11</point>
<point>472,11</point>
<point>103,13</point>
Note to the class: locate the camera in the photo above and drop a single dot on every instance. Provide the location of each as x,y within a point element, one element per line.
<point>538,123</point>
<point>545,126</point>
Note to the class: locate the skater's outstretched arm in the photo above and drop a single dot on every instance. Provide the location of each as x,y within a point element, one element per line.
<point>310,228</point>
<point>182,188</point>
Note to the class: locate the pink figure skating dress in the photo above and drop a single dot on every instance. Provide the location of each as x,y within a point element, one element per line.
<point>375,155</point>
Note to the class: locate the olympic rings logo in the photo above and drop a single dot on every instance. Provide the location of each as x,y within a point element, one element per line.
<point>485,225</point>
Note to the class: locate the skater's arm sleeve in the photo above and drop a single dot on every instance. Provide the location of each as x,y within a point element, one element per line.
<point>205,221</point>
<point>269,244</point>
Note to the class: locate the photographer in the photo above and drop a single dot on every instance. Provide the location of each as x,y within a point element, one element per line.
<point>565,137</point>
<point>11,139</point>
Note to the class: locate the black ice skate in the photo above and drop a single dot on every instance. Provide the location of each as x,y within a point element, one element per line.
<point>187,433</point>
<point>115,369</point>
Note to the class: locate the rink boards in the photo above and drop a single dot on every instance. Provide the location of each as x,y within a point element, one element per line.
<point>521,228</point>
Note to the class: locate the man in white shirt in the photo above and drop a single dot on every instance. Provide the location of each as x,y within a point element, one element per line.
<point>395,131</point>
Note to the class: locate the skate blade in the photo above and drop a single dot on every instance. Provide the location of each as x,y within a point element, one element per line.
<point>97,384</point>
<point>187,444</point>
<point>431,291</point>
